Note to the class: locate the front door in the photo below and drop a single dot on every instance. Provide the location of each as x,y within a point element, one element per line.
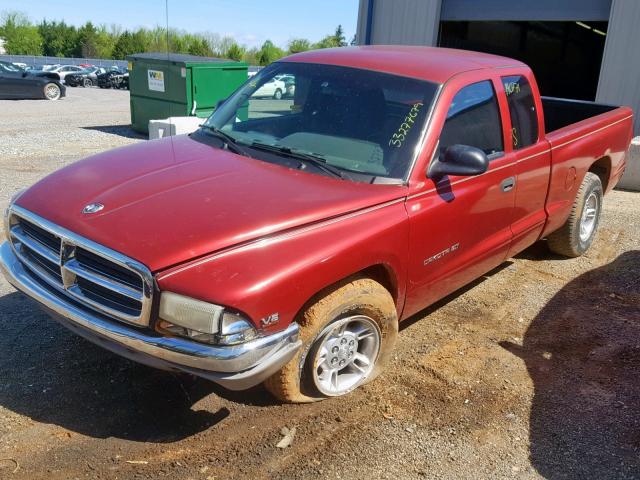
<point>460,225</point>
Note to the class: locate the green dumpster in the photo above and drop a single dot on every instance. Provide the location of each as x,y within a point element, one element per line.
<point>175,85</point>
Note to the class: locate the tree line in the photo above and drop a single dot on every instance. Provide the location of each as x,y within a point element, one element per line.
<point>58,39</point>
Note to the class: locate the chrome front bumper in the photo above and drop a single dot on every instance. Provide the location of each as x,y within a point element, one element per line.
<point>236,367</point>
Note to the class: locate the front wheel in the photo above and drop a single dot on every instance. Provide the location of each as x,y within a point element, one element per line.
<point>277,94</point>
<point>575,237</point>
<point>348,335</point>
<point>87,82</point>
<point>51,91</point>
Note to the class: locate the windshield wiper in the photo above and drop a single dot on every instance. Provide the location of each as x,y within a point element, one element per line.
<point>229,142</point>
<point>316,160</point>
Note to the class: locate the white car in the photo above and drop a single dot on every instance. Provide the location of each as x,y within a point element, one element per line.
<point>64,70</point>
<point>273,88</point>
<point>289,84</point>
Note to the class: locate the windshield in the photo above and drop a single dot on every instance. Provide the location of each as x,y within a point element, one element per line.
<point>356,120</point>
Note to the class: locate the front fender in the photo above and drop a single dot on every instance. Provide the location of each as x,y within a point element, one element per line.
<point>279,274</point>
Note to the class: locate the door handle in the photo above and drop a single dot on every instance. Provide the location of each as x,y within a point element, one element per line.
<point>508,184</point>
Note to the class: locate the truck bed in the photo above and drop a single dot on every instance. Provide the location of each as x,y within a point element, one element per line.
<point>582,135</point>
<point>561,112</point>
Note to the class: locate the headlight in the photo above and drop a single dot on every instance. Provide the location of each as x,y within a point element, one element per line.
<point>202,321</point>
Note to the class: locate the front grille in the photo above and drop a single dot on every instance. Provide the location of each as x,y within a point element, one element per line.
<point>112,270</point>
<point>97,277</point>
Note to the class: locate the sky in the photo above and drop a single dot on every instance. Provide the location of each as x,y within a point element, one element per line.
<point>250,22</point>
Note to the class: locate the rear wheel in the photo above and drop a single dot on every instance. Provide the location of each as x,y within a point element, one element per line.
<point>51,91</point>
<point>348,335</point>
<point>277,94</point>
<point>575,237</point>
<point>87,82</point>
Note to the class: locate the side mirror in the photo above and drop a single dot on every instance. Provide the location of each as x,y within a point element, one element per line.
<point>460,160</point>
<point>220,102</point>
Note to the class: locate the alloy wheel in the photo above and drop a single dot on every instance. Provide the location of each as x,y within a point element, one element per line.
<point>345,354</point>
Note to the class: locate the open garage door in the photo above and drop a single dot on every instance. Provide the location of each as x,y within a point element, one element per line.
<point>563,42</point>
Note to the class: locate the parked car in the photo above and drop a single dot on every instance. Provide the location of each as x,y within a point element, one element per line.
<point>16,83</point>
<point>286,249</point>
<point>289,84</point>
<point>85,78</point>
<point>63,70</point>
<point>273,88</point>
<point>39,68</point>
<point>108,79</point>
<point>121,81</point>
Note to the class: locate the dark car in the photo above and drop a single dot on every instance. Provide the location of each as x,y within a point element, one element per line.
<point>16,83</point>
<point>85,78</point>
<point>113,78</point>
<point>121,81</point>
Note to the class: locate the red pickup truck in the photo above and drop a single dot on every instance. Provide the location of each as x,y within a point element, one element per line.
<point>285,240</point>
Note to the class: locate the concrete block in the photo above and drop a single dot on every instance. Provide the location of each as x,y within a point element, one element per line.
<point>167,127</point>
<point>631,178</point>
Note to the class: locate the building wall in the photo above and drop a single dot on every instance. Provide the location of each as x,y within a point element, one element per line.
<point>400,22</point>
<point>620,71</point>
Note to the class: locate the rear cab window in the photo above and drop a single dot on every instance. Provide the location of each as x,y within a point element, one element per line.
<point>522,110</point>
<point>474,119</point>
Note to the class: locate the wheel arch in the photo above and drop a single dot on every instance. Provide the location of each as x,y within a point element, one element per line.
<point>382,273</point>
<point>602,168</point>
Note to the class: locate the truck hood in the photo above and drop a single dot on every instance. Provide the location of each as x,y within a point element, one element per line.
<point>172,200</point>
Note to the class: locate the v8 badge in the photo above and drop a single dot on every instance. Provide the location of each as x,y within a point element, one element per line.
<point>270,320</point>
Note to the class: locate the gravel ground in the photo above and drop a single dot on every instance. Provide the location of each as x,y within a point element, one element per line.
<point>38,137</point>
<point>530,372</point>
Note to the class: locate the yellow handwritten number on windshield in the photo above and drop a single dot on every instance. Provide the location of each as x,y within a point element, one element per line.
<point>398,138</point>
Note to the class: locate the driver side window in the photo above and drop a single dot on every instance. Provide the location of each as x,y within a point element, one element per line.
<point>474,119</point>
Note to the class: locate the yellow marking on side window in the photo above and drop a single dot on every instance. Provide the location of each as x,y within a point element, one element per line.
<point>512,87</point>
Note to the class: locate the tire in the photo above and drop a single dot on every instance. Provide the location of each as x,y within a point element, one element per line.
<point>277,95</point>
<point>87,82</point>
<point>365,311</point>
<point>575,237</point>
<point>51,91</point>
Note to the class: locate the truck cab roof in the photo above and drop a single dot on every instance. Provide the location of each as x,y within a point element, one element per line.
<point>426,63</point>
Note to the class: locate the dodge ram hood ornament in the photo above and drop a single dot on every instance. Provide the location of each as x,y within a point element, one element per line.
<point>92,208</point>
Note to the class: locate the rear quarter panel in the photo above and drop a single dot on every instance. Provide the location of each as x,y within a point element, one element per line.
<point>575,148</point>
<point>281,273</point>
